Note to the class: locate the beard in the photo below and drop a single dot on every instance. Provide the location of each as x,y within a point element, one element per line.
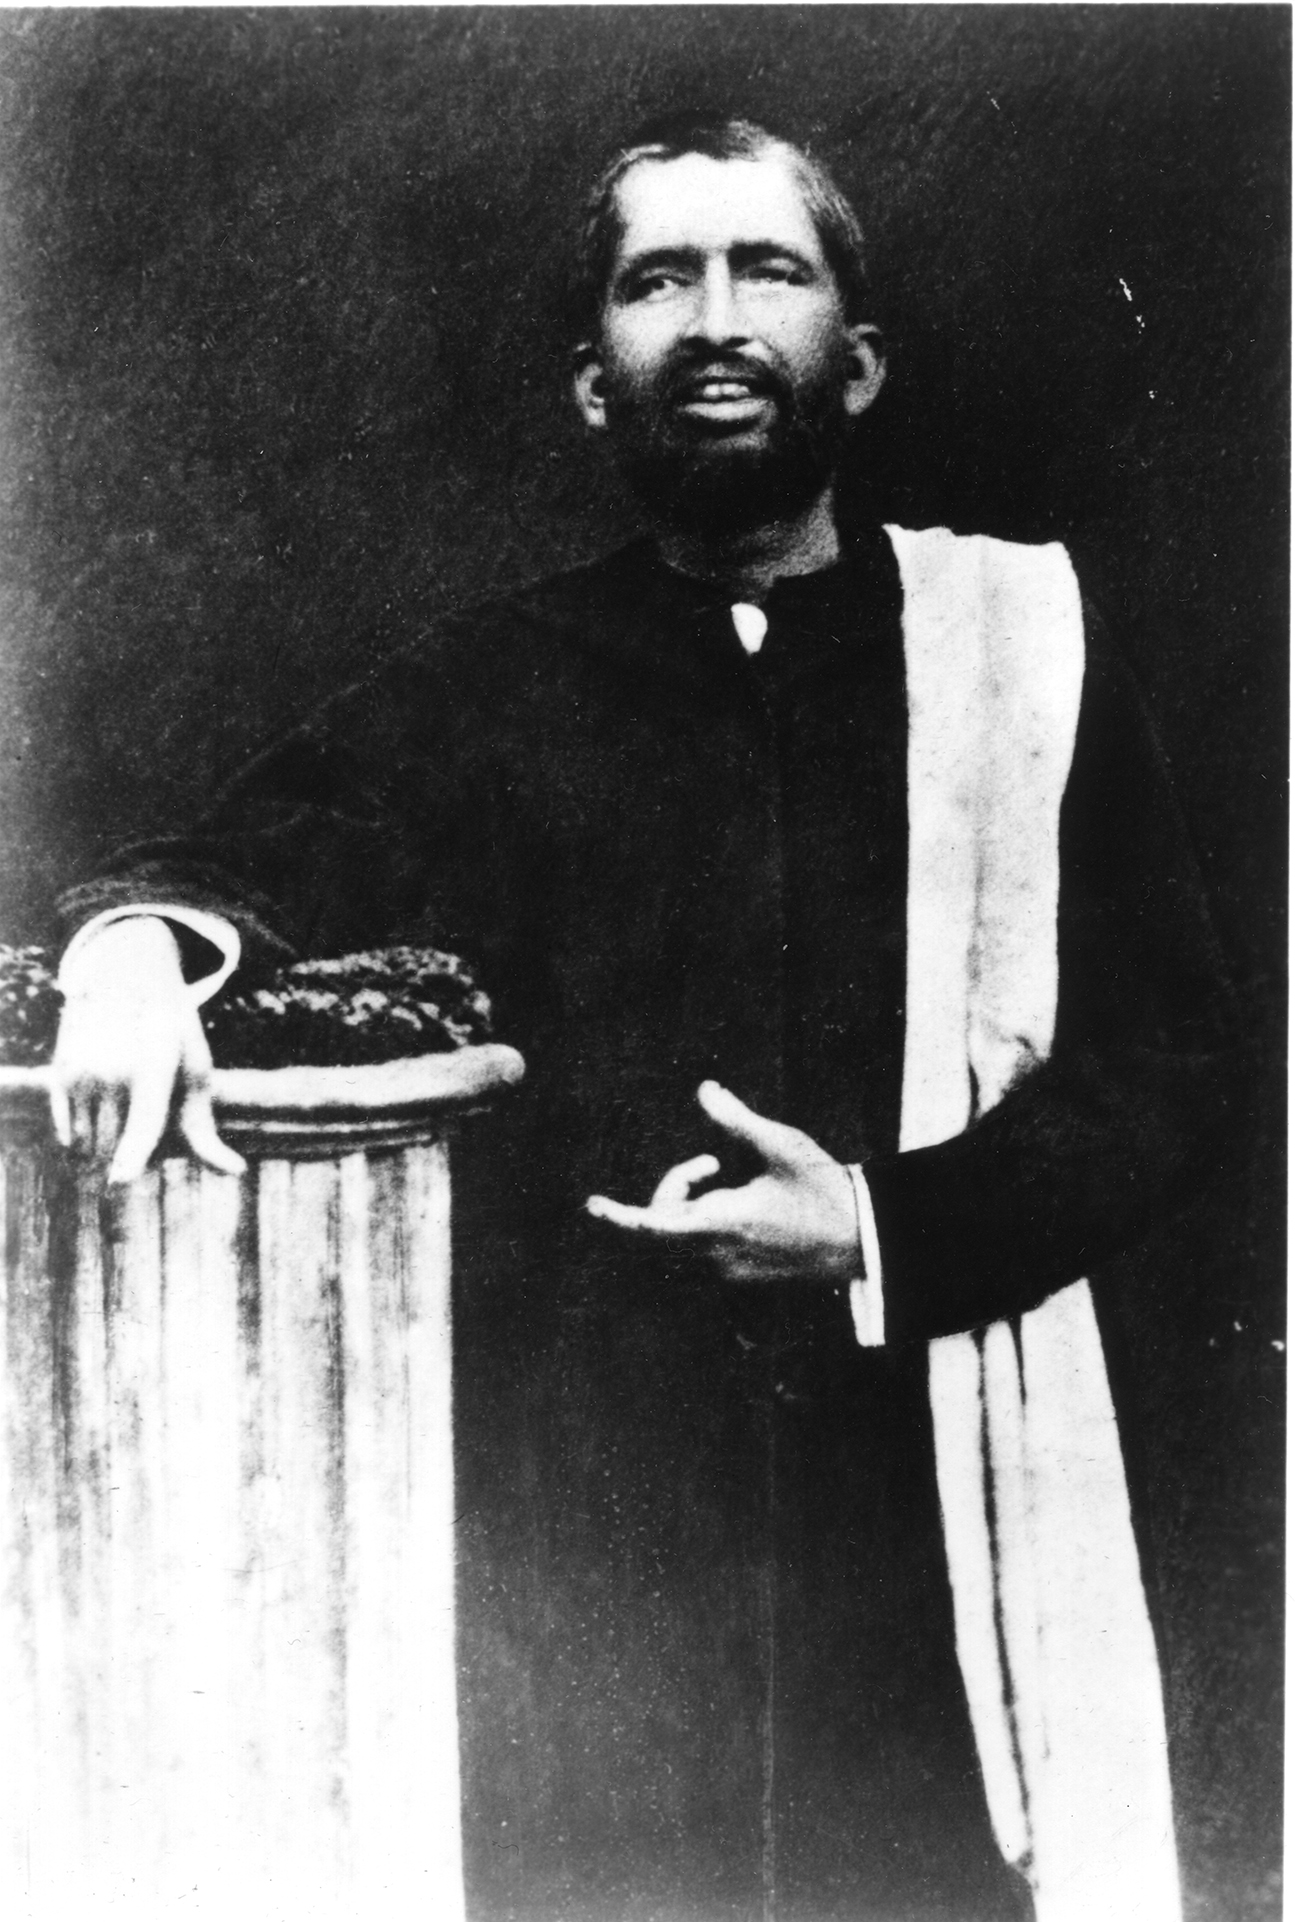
<point>688,476</point>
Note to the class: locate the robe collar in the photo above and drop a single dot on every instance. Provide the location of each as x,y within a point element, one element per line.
<point>679,631</point>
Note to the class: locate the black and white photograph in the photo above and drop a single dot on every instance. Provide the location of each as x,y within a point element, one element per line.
<point>643,809</point>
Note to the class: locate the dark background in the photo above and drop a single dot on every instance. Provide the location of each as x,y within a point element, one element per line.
<point>283,323</point>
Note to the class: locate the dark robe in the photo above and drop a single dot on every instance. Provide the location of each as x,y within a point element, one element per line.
<point>706,1636</point>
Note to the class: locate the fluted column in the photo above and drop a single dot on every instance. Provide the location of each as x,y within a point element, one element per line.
<point>226,1511</point>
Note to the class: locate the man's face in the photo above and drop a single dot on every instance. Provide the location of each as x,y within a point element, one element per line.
<point>724,370</point>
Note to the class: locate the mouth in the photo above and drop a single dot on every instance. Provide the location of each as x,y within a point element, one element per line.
<point>726,399</point>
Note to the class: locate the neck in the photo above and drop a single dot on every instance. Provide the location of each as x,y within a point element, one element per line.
<point>749,562</point>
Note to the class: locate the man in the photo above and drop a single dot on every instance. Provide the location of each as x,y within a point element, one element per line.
<point>813,819</point>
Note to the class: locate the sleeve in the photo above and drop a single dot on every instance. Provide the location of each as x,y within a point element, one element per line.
<point>1076,1162</point>
<point>382,819</point>
<point>211,934</point>
<point>867,1302</point>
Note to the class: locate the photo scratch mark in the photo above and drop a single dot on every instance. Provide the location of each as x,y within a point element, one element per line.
<point>1128,295</point>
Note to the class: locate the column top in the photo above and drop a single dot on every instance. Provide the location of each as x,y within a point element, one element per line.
<point>316,1111</point>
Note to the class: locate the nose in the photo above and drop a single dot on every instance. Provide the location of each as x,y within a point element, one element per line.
<point>716,318</point>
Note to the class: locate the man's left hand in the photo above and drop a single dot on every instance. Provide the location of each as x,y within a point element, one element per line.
<point>795,1221</point>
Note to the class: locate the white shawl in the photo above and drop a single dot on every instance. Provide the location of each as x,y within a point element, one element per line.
<point>1053,1635</point>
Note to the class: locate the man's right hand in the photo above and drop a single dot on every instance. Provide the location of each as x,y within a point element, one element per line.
<point>131,1053</point>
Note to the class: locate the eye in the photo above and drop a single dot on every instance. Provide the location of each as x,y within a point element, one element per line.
<point>657,283</point>
<point>777,273</point>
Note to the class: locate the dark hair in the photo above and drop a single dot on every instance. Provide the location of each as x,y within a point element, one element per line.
<point>719,137</point>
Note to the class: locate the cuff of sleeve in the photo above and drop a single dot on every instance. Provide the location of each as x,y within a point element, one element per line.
<point>867,1304</point>
<point>222,935</point>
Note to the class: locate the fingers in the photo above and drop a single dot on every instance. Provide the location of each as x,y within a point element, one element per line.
<point>198,1127</point>
<point>86,1116</point>
<point>151,1102</point>
<point>678,1184</point>
<point>671,1213</point>
<point>677,1221</point>
<point>780,1145</point>
<point>149,1105</point>
<point>603,1208</point>
<point>196,1121</point>
<point>146,1119</point>
<point>119,1075</point>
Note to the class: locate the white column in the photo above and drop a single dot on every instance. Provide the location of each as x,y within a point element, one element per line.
<point>226,1519</point>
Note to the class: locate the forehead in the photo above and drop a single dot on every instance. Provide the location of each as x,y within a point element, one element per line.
<point>695,202</point>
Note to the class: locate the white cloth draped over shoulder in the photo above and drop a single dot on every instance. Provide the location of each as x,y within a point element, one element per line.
<point>1054,1639</point>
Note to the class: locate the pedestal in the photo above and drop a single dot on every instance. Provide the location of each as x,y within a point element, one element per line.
<point>226,1511</point>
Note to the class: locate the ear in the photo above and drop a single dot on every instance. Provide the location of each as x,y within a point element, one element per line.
<point>588,386</point>
<point>866,369</point>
